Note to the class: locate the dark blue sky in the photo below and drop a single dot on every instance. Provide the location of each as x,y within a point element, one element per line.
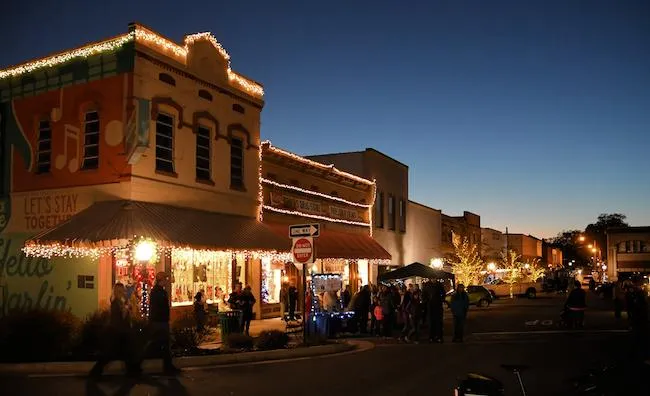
<point>533,114</point>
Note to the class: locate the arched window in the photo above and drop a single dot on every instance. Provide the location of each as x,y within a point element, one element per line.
<point>205,95</point>
<point>44,149</point>
<point>238,108</point>
<point>236,163</point>
<point>91,140</point>
<point>166,78</point>
<point>203,153</point>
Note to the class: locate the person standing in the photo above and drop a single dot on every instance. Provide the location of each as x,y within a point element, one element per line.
<point>435,297</point>
<point>247,301</point>
<point>459,307</point>
<point>576,304</point>
<point>117,342</point>
<point>346,297</point>
<point>293,301</point>
<point>284,300</point>
<point>638,319</point>
<point>200,311</point>
<point>363,304</point>
<point>159,321</point>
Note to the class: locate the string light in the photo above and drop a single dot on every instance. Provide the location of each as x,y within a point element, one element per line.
<point>260,190</point>
<point>314,193</point>
<point>312,216</point>
<point>267,144</point>
<point>371,210</point>
<point>83,52</point>
<point>148,38</point>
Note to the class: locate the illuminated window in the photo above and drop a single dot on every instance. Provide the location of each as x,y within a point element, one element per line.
<point>236,163</point>
<point>203,153</point>
<point>379,210</point>
<point>44,152</point>
<point>91,140</point>
<point>391,212</point>
<point>402,215</point>
<point>165,143</point>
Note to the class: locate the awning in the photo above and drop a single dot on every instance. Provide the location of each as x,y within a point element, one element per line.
<point>115,223</point>
<point>340,244</point>
<point>413,270</point>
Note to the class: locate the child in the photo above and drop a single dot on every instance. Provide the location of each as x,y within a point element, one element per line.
<point>379,317</point>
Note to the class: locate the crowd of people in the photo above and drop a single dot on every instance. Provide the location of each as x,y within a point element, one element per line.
<point>403,311</point>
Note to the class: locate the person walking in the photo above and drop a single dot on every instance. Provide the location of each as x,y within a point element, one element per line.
<point>575,306</point>
<point>247,301</point>
<point>293,301</point>
<point>459,307</point>
<point>117,342</point>
<point>435,297</point>
<point>159,321</point>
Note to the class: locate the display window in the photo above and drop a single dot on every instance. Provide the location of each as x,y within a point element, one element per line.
<point>272,277</point>
<point>211,272</point>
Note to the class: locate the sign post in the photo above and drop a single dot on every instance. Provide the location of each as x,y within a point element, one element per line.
<point>303,251</point>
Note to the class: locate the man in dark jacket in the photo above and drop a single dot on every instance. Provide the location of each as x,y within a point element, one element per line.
<point>459,306</point>
<point>434,296</point>
<point>159,320</point>
<point>363,308</point>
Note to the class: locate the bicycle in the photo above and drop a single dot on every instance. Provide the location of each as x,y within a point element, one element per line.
<point>481,385</point>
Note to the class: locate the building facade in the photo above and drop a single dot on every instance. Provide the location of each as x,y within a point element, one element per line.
<point>493,244</point>
<point>467,226</point>
<point>391,202</point>
<point>128,145</point>
<point>297,190</point>
<point>551,256</point>
<point>424,225</point>
<point>527,246</point>
<point>628,252</point>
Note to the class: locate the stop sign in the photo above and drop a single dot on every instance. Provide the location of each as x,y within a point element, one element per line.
<point>303,250</point>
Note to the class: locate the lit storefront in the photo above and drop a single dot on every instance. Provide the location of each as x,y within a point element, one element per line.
<point>294,193</point>
<point>199,250</point>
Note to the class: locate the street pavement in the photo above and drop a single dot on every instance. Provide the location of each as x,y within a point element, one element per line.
<point>516,331</point>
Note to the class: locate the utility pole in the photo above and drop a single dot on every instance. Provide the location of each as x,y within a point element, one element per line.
<point>507,245</point>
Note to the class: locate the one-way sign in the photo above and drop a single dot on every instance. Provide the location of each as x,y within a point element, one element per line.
<point>304,230</point>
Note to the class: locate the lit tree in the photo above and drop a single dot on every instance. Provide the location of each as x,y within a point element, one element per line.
<point>511,263</point>
<point>535,270</point>
<point>467,263</point>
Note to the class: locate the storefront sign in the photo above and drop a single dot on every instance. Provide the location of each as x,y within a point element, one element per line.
<point>45,211</point>
<point>345,213</point>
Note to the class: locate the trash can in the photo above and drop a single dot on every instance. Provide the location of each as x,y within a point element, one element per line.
<point>230,322</point>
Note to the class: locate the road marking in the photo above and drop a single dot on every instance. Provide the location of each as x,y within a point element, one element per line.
<point>550,332</point>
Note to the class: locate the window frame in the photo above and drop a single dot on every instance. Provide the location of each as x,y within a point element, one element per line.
<point>87,161</point>
<point>402,215</point>
<point>40,150</point>
<point>391,212</point>
<point>379,210</point>
<point>197,169</point>
<point>234,183</point>
<point>170,149</point>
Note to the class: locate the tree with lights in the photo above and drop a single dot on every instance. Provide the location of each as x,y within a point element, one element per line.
<point>535,270</point>
<point>511,263</point>
<point>467,263</point>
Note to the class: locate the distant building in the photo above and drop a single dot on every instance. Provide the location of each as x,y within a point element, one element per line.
<point>527,246</point>
<point>467,226</point>
<point>629,252</point>
<point>493,244</point>
<point>390,209</point>
<point>424,226</point>
<point>551,256</point>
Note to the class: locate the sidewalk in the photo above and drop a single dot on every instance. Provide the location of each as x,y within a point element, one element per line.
<point>214,340</point>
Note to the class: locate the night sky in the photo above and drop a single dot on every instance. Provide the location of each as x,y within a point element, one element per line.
<point>533,114</point>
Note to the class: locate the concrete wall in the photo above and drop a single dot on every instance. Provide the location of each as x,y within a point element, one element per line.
<point>422,240</point>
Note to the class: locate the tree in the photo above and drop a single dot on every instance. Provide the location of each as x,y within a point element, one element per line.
<point>466,265</point>
<point>511,262</point>
<point>534,269</point>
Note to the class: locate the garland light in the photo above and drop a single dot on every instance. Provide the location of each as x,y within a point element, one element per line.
<point>314,193</point>
<point>312,216</point>
<point>306,161</point>
<point>148,38</point>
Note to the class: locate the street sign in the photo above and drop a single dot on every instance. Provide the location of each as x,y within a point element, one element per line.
<point>303,250</point>
<point>304,230</point>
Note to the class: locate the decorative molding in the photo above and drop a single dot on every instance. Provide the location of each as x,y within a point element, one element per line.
<point>239,127</point>
<point>165,100</point>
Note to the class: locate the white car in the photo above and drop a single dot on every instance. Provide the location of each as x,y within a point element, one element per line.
<point>499,288</point>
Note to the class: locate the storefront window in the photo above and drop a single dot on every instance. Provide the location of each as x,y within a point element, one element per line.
<point>196,270</point>
<point>138,278</point>
<point>272,272</point>
<point>364,272</point>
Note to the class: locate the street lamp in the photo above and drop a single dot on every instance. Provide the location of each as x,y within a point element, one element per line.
<point>144,251</point>
<point>436,263</point>
<point>491,266</point>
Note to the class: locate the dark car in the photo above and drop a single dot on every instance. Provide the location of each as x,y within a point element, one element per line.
<point>478,295</point>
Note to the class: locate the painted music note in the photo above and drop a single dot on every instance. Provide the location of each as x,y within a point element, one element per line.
<point>71,133</point>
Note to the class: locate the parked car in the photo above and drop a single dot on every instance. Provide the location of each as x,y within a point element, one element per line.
<point>499,288</point>
<point>478,295</point>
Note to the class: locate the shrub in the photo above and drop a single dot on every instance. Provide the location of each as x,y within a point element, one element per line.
<point>37,335</point>
<point>93,331</point>
<point>239,341</point>
<point>272,339</point>
<point>184,334</point>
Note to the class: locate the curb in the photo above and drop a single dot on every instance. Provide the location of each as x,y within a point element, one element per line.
<point>155,365</point>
